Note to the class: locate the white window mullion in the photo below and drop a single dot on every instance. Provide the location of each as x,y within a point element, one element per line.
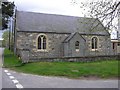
<point>41,42</point>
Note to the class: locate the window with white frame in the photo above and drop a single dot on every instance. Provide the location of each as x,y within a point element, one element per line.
<point>42,42</point>
<point>94,43</point>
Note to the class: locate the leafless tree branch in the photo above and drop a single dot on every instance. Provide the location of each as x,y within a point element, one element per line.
<point>104,10</point>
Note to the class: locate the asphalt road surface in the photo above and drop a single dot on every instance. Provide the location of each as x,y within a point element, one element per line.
<point>34,81</point>
<point>1,51</point>
<point>12,79</point>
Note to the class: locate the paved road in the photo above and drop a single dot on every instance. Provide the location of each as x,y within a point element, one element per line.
<point>34,81</point>
<point>12,79</point>
<point>5,81</point>
<point>1,68</point>
<point>1,63</point>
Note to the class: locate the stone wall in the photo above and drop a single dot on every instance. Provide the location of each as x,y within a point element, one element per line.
<point>77,59</point>
<point>104,45</point>
<point>28,41</point>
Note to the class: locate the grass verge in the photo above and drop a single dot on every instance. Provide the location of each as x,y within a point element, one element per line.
<point>103,69</point>
<point>10,60</point>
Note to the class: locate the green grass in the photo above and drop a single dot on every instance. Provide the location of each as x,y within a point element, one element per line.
<point>103,69</point>
<point>10,60</point>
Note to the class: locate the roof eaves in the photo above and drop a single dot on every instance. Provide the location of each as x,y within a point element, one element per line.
<point>69,37</point>
<point>82,37</point>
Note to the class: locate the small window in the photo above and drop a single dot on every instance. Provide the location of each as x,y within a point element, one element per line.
<point>94,43</point>
<point>113,45</point>
<point>42,42</point>
<point>77,45</point>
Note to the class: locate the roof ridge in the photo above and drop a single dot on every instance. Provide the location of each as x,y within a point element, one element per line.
<point>71,36</point>
<point>54,14</point>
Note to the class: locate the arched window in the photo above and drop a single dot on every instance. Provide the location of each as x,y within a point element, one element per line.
<point>94,43</point>
<point>77,45</point>
<point>42,40</point>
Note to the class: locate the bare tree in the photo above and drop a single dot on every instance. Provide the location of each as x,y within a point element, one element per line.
<point>105,10</point>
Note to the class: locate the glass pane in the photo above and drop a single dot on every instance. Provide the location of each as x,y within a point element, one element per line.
<point>39,42</point>
<point>113,45</point>
<point>44,42</point>
<point>77,45</point>
<point>95,40</point>
<point>44,39</point>
<point>44,45</point>
<point>41,35</point>
<point>94,43</point>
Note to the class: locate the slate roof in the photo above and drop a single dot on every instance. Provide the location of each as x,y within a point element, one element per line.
<point>71,36</point>
<point>40,22</point>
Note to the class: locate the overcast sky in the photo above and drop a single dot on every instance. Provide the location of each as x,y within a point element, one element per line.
<point>64,7</point>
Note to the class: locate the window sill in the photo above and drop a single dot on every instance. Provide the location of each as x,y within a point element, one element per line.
<point>94,49</point>
<point>77,50</point>
<point>42,50</point>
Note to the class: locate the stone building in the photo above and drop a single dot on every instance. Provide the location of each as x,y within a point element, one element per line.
<point>115,46</point>
<point>116,42</point>
<point>41,35</point>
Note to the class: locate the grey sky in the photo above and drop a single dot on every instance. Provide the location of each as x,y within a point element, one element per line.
<point>65,7</point>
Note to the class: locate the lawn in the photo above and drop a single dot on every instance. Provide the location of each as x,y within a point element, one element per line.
<point>103,69</point>
<point>10,60</point>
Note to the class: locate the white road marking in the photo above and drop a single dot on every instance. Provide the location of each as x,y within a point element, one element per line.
<point>6,71</point>
<point>15,81</point>
<point>11,77</point>
<point>19,86</point>
<point>8,74</point>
